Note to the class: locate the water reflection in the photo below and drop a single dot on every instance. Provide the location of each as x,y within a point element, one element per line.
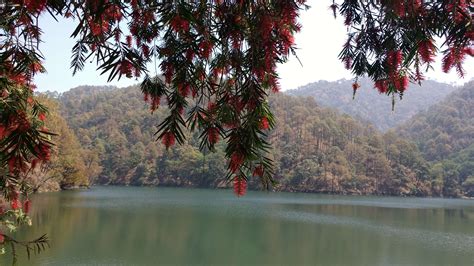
<point>151,226</point>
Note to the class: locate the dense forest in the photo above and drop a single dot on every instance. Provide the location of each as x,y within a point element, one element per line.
<point>369,105</point>
<point>316,149</point>
<point>70,164</point>
<point>445,135</point>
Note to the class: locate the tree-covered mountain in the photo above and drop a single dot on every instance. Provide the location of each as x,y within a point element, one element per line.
<point>316,149</point>
<point>444,134</point>
<point>70,164</point>
<point>369,105</point>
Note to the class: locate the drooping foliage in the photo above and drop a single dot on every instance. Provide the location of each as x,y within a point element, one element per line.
<point>394,41</point>
<point>220,54</point>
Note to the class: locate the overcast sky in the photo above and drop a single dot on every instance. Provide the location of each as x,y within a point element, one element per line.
<point>319,44</point>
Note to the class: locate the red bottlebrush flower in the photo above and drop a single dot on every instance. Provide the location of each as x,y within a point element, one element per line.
<point>148,17</point>
<point>240,186</point>
<point>287,40</point>
<point>12,164</point>
<point>448,62</point>
<point>146,96</point>
<point>117,34</point>
<point>175,23</point>
<point>190,54</point>
<point>45,152</point>
<point>2,238</point>
<point>217,71</point>
<point>347,63</point>
<point>126,68</point>
<point>129,41</point>
<point>400,82</point>
<point>399,8</point>
<point>184,89</point>
<point>457,8</point>
<point>417,5</point>
<point>264,124</point>
<point>35,6</point>
<point>15,204</point>
<point>181,110</point>
<point>276,88</point>
<point>236,160</point>
<point>168,139</point>
<point>418,75</point>
<point>34,163</point>
<point>211,107</point>
<point>19,79</point>
<point>348,19</point>
<point>205,48</point>
<point>155,103</point>
<point>114,12</point>
<point>266,26</point>
<point>236,42</point>
<point>30,101</point>
<point>145,50</point>
<point>36,67</point>
<point>42,117</point>
<point>26,206</point>
<point>168,71</point>
<point>455,58</point>
<point>355,86</point>
<point>258,171</point>
<point>2,131</point>
<point>381,86</point>
<point>179,24</point>
<point>22,121</point>
<point>213,135</point>
<point>426,50</point>
<point>136,72</point>
<point>394,59</point>
<point>95,28</point>
<point>4,94</point>
<point>469,51</point>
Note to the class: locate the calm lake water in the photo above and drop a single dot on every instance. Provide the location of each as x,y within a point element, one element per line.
<point>175,226</point>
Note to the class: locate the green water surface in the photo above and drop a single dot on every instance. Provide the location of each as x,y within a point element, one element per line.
<point>175,226</point>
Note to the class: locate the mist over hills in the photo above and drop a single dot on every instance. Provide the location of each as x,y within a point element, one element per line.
<point>369,105</point>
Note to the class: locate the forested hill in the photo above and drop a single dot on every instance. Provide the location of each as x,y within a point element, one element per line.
<point>445,135</point>
<point>315,149</point>
<point>369,105</point>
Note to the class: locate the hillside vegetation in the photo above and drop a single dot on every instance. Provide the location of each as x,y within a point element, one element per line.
<point>315,149</point>
<point>445,135</point>
<point>70,164</point>
<point>369,105</point>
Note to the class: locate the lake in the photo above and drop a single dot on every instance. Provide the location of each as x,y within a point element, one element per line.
<point>177,226</point>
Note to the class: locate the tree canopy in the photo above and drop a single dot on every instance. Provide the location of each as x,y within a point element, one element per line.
<point>217,64</point>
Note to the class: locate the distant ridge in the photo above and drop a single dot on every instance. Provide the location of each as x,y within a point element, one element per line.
<point>369,105</point>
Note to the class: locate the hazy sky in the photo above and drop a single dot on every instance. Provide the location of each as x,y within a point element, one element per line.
<point>319,44</point>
